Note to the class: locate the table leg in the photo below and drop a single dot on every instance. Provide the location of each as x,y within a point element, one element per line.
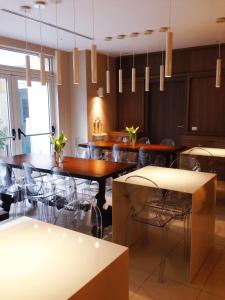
<point>106,214</point>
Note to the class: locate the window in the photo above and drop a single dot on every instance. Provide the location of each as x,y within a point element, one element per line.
<point>17,59</point>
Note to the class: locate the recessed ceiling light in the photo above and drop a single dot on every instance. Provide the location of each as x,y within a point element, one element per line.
<point>25,8</point>
<point>220,20</point>
<point>40,4</point>
<point>164,29</point>
<point>56,1</point>
<point>148,31</point>
<point>134,34</point>
<point>121,36</point>
<point>108,38</point>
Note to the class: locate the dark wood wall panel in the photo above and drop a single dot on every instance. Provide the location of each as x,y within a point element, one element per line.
<point>190,97</point>
<point>207,106</point>
<point>131,106</point>
<point>167,111</point>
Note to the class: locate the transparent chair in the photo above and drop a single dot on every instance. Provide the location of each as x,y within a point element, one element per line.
<point>80,211</point>
<point>168,142</point>
<point>81,152</point>
<point>8,185</point>
<point>39,192</point>
<point>144,158</point>
<point>144,140</point>
<point>148,207</point>
<point>208,161</point>
<point>94,152</point>
<point>119,155</point>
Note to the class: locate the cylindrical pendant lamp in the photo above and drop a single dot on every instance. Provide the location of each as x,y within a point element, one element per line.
<point>42,68</point>
<point>162,78</point>
<point>107,81</point>
<point>59,67</point>
<point>218,72</point>
<point>147,78</point>
<point>75,66</point>
<point>120,80</point>
<point>133,80</point>
<point>94,71</point>
<point>169,54</point>
<point>28,71</point>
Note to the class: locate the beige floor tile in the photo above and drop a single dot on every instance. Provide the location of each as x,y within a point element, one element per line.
<point>136,279</point>
<point>207,296</point>
<point>169,290</point>
<point>178,270</point>
<point>216,281</point>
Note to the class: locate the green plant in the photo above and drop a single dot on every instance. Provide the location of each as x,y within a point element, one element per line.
<point>3,133</point>
<point>59,143</point>
<point>131,130</point>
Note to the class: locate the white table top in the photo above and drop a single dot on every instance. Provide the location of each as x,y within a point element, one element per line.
<point>171,179</point>
<point>41,261</point>
<point>204,151</point>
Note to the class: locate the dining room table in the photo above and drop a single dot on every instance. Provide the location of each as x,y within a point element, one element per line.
<point>96,170</point>
<point>170,152</point>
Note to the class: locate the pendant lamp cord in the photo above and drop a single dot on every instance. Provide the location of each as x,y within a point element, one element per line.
<point>93,19</point>
<point>74,22</point>
<point>170,11</point>
<point>120,60</point>
<point>25,15</point>
<point>56,22</point>
<point>219,39</point>
<point>133,58</point>
<point>40,21</point>
<point>162,48</point>
<point>108,60</point>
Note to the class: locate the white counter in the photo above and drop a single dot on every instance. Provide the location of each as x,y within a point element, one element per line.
<point>42,261</point>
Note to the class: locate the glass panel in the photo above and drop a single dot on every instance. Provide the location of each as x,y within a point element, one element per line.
<point>5,145</point>
<point>34,116</point>
<point>17,59</point>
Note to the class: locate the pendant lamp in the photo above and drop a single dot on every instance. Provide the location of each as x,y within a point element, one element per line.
<point>169,47</point>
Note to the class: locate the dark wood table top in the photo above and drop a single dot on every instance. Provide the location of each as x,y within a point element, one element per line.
<point>76,167</point>
<point>148,147</point>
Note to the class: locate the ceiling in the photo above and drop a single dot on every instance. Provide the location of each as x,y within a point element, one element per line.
<point>192,21</point>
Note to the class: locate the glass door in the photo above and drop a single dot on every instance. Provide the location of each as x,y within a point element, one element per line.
<point>7,131</point>
<point>34,117</point>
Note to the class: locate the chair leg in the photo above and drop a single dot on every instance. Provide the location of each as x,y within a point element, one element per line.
<point>163,254</point>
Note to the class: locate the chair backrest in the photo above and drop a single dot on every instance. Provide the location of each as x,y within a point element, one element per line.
<point>144,157</point>
<point>141,197</point>
<point>34,181</point>
<point>6,175</point>
<point>144,140</point>
<point>64,185</point>
<point>168,142</point>
<point>119,155</point>
<point>208,164</point>
<point>186,163</point>
<point>94,152</point>
<point>82,152</point>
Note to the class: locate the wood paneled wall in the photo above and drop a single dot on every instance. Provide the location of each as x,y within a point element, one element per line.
<point>191,94</point>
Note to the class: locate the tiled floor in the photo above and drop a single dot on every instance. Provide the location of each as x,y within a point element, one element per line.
<point>209,284</point>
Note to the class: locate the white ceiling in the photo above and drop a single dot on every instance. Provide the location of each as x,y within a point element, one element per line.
<point>193,23</point>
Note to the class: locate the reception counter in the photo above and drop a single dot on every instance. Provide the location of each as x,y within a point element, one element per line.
<point>43,261</point>
<point>202,188</point>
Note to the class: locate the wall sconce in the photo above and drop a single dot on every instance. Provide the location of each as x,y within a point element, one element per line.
<point>100,92</point>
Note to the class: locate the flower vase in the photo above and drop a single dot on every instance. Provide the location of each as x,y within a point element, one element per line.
<point>133,140</point>
<point>59,157</point>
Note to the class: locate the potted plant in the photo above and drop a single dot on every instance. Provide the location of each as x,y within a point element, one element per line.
<point>132,132</point>
<point>59,143</point>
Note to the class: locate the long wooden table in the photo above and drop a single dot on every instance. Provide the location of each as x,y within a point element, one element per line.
<point>167,151</point>
<point>98,170</point>
<point>41,261</point>
<point>202,189</point>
